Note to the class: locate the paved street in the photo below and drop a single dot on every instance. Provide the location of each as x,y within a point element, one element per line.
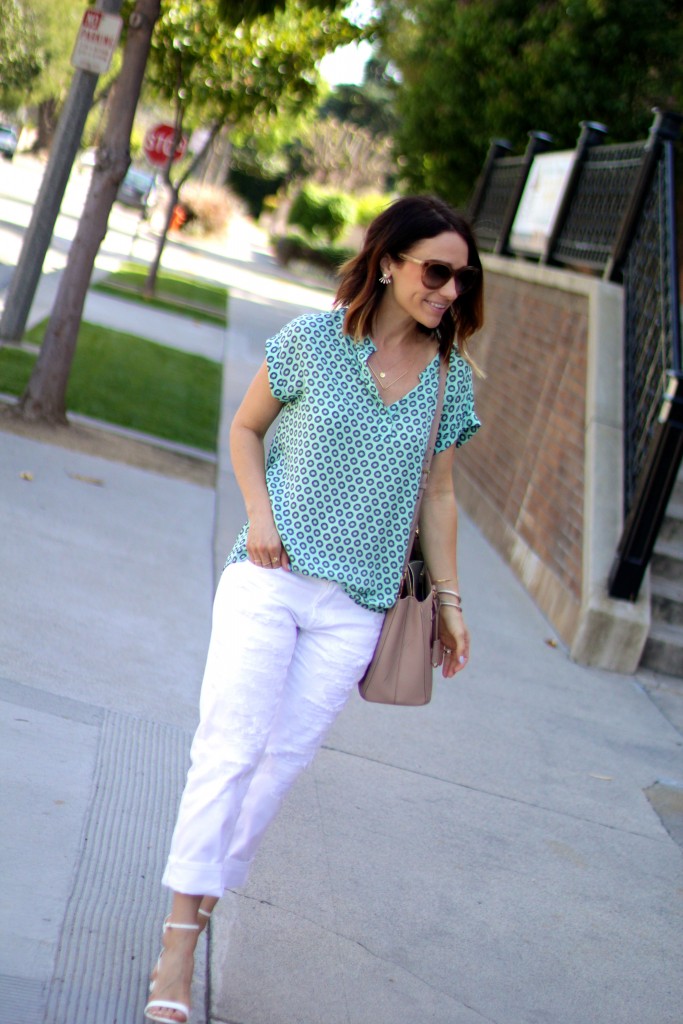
<point>495,857</point>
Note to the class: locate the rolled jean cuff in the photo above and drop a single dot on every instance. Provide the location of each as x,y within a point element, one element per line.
<point>194,879</point>
<point>235,873</point>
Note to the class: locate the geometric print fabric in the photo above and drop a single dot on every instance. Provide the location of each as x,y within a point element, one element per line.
<point>343,469</point>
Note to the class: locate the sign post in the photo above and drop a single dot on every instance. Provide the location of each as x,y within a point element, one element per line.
<point>22,287</point>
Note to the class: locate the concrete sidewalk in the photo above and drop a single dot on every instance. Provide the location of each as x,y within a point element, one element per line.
<point>492,857</point>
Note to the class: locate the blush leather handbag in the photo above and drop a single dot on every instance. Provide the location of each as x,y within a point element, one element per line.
<point>408,647</point>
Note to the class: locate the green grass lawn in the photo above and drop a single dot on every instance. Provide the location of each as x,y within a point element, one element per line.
<point>132,382</point>
<point>175,292</point>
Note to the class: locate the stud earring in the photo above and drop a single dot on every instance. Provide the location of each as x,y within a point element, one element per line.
<point>385,278</point>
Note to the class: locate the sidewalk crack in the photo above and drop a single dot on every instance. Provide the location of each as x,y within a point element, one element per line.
<point>499,796</point>
<point>376,956</point>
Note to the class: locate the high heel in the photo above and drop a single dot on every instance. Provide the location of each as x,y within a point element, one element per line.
<point>206,914</point>
<point>168,1004</point>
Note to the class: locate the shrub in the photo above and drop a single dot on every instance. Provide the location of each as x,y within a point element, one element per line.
<point>320,213</point>
<point>208,207</point>
<point>329,258</point>
<point>369,206</point>
<point>252,189</point>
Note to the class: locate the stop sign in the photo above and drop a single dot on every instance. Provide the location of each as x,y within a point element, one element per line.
<point>158,142</point>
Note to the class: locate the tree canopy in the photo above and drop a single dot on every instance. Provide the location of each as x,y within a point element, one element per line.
<point>370,105</point>
<point>56,28</point>
<point>225,73</point>
<point>19,45</point>
<point>471,70</point>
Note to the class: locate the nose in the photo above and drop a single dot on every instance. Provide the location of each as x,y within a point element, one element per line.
<point>449,290</point>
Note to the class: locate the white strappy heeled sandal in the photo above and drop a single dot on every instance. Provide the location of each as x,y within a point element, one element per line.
<point>202,927</point>
<point>169,1004</point>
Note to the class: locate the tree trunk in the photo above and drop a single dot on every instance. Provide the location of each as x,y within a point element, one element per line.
<point>45,395</point>
<point>217,165</point>
<point>151,280</point>
<point>47,124</point>
<point>150,285</point>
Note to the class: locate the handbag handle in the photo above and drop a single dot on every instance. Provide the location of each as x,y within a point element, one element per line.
<point>427,461</point>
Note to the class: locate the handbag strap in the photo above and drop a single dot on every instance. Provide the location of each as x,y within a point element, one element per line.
<point>427,461</point>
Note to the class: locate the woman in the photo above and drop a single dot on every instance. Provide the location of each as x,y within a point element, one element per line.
<point>301,601</point>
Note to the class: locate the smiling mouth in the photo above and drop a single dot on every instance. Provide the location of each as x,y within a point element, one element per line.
<point>439,306</point>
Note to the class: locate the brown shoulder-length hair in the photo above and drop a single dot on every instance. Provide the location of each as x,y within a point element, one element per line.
<point>396,230</point>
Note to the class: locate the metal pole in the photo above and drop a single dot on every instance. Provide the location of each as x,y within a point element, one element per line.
<point>665,127</point>
<point>539,142</point>
<point>38,236</point>
<point>498,148</point>
<point>654,490</point>
<point>592,134</point>
<point>674,290</point>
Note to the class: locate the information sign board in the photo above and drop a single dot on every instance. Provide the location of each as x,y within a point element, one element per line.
<point>540,201</point>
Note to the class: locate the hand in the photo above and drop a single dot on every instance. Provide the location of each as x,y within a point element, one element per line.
<point>455,638</point>
<point>264,546</point>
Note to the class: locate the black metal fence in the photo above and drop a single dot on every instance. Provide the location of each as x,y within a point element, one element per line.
<point>616,218</point>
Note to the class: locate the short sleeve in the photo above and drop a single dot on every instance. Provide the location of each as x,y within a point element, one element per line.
<point>459,420</point>
<point>286,362</point>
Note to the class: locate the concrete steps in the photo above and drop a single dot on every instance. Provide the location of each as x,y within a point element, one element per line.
<point>664,648</point>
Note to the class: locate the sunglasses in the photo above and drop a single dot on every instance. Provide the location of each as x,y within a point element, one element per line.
<point>436,274</point>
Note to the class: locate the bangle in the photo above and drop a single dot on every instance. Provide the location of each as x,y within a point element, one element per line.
<point>449,604</point>
<point>444,579</point>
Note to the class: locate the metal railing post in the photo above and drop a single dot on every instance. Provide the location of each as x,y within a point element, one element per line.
<point>654,490</point>
<point>665,130</point>
<point>592,134</point>
<point>498,148</point>
<point>665,451</point>
<point>539,142</point>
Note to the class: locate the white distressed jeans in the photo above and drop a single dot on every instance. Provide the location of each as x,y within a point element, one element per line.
<point>285,653</point>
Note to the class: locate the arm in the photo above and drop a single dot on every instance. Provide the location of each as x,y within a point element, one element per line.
<point>438,538</point>
<point>249,427</point>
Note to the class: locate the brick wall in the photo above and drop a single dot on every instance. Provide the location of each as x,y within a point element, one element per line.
<point>522,477</point>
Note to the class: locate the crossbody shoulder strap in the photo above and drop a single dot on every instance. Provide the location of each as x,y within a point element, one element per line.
<point>427,461</point>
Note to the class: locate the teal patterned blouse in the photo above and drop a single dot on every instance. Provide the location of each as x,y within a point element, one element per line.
<point>343,469</point>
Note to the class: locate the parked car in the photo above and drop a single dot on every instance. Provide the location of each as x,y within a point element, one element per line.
<point>138,189</point>
<point>8,141</point>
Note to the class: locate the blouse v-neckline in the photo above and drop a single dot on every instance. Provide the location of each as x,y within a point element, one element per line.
<point>369,348</point>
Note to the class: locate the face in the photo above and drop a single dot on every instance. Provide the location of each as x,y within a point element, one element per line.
<point>426,305</point>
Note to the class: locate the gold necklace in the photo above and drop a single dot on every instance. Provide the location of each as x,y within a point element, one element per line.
<point>380,375</point>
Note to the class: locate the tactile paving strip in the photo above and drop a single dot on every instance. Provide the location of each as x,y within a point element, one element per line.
<point>22,1000</point>
<point>112,922</point>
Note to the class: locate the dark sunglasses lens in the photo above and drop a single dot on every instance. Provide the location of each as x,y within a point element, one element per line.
<point>466,279</point>
<point>435,275</point>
